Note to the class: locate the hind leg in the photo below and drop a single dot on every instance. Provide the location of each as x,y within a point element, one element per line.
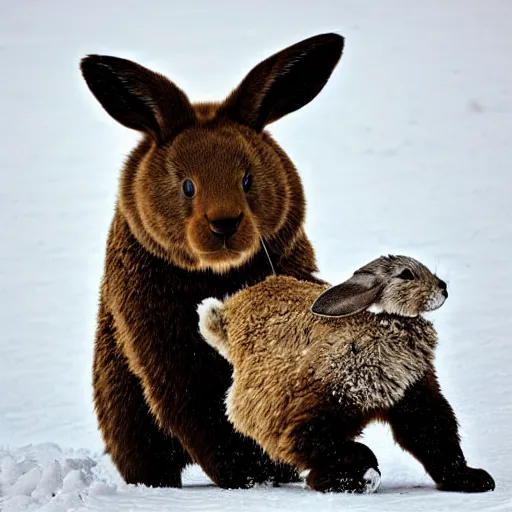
<point>141,451</point>
<point>424,424</point>
<point>337,464</point>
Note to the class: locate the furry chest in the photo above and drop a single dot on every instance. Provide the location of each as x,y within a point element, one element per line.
<point>373,372</point>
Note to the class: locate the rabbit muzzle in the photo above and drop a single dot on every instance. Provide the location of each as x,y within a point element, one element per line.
<point>225,227</point>
<point>223,241</point>
<point>436,300</point>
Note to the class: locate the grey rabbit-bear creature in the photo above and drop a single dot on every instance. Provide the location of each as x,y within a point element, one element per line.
<point>312,367</point>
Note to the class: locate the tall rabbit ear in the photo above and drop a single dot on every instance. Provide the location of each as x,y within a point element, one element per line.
<point>354,295</point>
<point>284,82</point>
<point>137,97</point>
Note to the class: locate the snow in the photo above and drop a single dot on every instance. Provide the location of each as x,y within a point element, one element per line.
<point>407,150</point>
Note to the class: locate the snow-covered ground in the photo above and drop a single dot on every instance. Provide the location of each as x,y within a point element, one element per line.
<point>408,149</point>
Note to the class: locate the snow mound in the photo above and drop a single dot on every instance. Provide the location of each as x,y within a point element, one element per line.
<point>44,478</point>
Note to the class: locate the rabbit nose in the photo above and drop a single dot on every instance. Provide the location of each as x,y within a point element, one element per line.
<point>443,287</point>
<point>225,227</point>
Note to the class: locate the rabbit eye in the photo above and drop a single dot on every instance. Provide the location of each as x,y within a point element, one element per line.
<point>188,188</point>
<point>406,274</point>
<point>247,182</point>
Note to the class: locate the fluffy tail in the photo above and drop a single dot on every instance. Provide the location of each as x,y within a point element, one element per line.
<point>212,325</point>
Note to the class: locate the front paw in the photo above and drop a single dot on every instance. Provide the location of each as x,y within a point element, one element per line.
<point>327,480</point>
<point>354,470</point>
<point>468,480</point>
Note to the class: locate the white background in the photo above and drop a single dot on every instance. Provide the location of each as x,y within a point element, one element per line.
<point>407,150</point>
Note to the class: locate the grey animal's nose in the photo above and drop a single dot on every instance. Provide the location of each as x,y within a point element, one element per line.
<point>225,227</point>
<point>444,287</point>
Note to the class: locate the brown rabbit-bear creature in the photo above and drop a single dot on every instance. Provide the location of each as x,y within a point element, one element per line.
<point>304,386</point>
<point>200,193</point>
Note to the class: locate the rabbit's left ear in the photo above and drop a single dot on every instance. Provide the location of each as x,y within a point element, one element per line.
<point>354,295</point>
<point>284,82</point>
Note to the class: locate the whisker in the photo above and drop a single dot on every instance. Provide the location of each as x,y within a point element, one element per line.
<point>268,255</point>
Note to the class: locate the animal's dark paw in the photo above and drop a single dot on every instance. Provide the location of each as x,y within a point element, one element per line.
<point>284,474</point>
<point>468,480</point>
<point>241,478</point>
<point>242,469</point>
<point>355,469</point>
<point>329,481</point>
<point>247,471</point>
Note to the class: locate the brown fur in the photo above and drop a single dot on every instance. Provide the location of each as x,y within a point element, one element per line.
<point>301,380</point>
<point>302,359</point>
<point>158,389</point>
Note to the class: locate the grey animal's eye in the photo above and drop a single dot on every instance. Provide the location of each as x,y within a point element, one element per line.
<point>406,275</point>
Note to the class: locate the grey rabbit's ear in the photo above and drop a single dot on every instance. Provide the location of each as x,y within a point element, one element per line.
<point>354,295</point>
<point>284,82</point>
<point>137,97</point>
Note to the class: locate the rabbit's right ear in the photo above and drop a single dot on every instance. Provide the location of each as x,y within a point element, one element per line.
<point>137,97</point>
<point>284,82</point>
<point>354,295</point>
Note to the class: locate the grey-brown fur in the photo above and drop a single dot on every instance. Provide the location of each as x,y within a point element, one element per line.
<point>290,363</point>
